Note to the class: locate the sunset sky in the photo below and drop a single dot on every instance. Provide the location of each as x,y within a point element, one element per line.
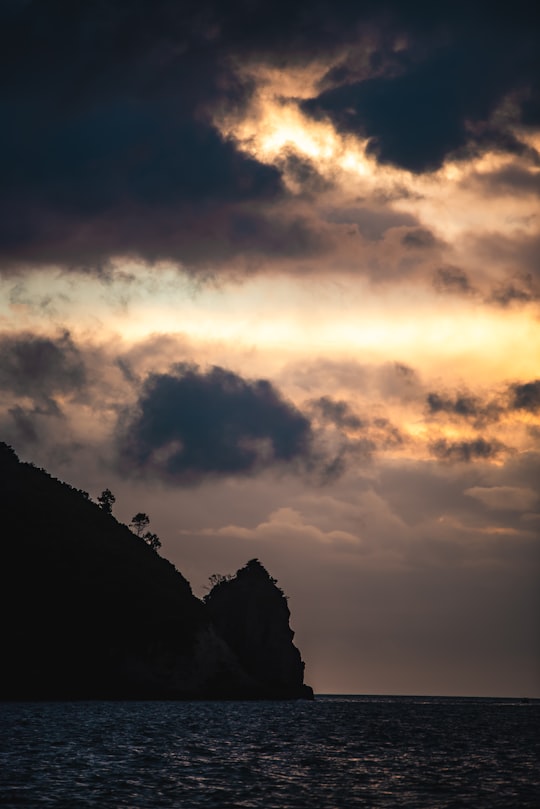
<point>270,272</point>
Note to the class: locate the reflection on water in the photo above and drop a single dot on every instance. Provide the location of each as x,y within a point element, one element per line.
<point>334,752</point>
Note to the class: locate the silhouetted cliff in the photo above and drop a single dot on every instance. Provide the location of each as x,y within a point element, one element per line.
<point>250,612</point>
<point>90,611</point>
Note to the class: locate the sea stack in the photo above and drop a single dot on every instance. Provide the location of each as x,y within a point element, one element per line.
<point>251,614</point>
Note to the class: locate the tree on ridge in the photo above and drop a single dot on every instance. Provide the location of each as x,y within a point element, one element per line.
<point>106,500</point>
<point>139,522</point>
<point>152,539</point>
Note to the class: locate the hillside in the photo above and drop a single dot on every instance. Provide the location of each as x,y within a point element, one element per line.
<point>91,611</point>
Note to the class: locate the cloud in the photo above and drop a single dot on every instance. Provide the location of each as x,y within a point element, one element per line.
<point>372,223</point>
<point>291,523</point>
<point>519,247</point>
<point>337,412</point>
<point>452,280</point>
<point>386,435</point>
<point>343,440</point>
<point>526,396</point>
<point>482,409</point>
<point>190,424</point>
<point>110,149</point>
<point>25,428</point>
<point>464,405</point>
<point>419,239</point>
<point>427,99</point>
<point>520,289</point>
<point>395,381</point>
<point>466,451</point>
<point>39,367</point>
<point>113,149</point>
<point>511,179</point>
<point>510,498</point>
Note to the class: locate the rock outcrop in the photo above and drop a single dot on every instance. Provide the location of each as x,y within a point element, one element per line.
<point>91,611</point>
<point>251,613</point>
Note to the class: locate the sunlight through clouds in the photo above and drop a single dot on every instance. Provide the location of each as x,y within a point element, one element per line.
<point>276,276</point>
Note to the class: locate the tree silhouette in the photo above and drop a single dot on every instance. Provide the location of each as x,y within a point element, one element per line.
<point>106,500</point>
<point>139,522</point>
<point>152,539</point>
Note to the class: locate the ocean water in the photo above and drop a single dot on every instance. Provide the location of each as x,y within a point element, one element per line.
<point>333,753</point>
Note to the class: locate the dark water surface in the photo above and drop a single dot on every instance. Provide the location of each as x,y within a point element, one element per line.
<point>335,752</point>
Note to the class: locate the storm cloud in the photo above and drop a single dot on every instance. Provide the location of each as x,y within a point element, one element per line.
<point>437,97</point>
<point>190,424</point>
<point>112,148</point>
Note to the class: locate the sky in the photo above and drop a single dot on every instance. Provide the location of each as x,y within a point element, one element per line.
<point>270,273</point>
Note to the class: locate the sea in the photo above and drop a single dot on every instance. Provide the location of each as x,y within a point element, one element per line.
<point>333,753</point>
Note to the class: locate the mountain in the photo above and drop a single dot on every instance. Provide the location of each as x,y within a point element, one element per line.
<point>90,611</point>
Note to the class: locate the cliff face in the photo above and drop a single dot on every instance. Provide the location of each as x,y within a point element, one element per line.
<point>250,612</point>
<point>90,611</point>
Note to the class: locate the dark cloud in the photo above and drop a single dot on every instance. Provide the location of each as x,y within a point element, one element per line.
<point>404,371</point>
<point>191,226</point>
<point>419,238</point>
<point>466,451</point>
<point>109,148</point>
<point>481,410</point>
<point>464,405</point>
<point>303,173</point>
<point>510,293</point>
<point>437,95</point>
<point>342,439</point>
<point>126,370</point>
<point>386,435</point>
<point>278,235</point>
<point>526,396</point>
<point>40,367</point>
<point>337,412</point>
<point>520,289</point>
<point>34,372</point>
<point>377,433</point>
<point>452,280</point>
<point>189,424</point>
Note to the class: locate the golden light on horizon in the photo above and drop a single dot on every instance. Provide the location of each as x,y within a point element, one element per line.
<point>293,317</point>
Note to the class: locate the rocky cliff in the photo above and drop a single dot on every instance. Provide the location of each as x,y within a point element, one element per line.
<point>89,610</point>
<point>251,613</point>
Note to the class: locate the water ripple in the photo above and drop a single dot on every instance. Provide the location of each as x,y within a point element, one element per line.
<point>277,755</point>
